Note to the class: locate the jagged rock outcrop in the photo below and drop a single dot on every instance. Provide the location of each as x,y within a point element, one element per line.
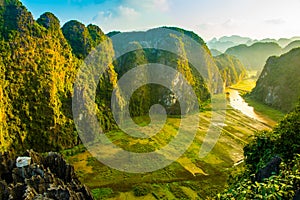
<point>47,177</point>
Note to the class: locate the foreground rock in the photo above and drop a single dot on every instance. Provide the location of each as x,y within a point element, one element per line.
<point>271,168</point>
<point>47,177</point>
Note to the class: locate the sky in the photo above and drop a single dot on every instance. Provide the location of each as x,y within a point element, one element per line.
<point>257,19</point>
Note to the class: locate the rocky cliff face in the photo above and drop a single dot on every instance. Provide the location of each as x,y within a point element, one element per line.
<point>279,82</point>
<point>231,69</point>
<point>151,48</point>
<point>38,66</point>
<point>48,177</point>
<point>39,62</point>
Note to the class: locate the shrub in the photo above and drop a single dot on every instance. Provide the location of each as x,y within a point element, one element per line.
<point>141,190</point>
<point>100,193</point>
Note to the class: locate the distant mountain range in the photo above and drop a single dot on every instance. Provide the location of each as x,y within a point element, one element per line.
<point>254,57</point>
<point>226,42</point>
<point>252,53</point>
<point>223,43</point>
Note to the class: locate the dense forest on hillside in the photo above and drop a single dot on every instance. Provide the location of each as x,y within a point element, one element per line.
<point>252,53</point>
<point>38,67</point>
<point>226,42</point>
<point>39,63</point>
<point>37,70</point>
<point>231,69</point>
<point>254,57</point>
<point>279,82</point>
<point>272,164</point>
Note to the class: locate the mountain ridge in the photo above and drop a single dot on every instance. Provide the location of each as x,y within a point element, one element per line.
<point>39,63</point>
<point>279,83</point>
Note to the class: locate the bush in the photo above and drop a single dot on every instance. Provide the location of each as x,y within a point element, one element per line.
<point>282,186</point>
<point>141,190</point>
<point>100,193</point>
<point>178,193</point>
<point>284,141</point>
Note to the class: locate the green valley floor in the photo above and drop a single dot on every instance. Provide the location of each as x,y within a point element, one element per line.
<point>188,178</point>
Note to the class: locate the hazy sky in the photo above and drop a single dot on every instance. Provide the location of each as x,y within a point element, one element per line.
<point>209,18</point>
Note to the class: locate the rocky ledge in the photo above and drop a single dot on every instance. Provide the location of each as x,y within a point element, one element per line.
<point>46,177</point>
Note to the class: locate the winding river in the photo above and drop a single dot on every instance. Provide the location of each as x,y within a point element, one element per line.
<point>237,102</point>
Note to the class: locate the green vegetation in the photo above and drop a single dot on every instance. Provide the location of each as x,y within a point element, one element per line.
<point>38,68</point>
<point>187,33</point>
<point>246,84</point>
<point>231,69</point>
<point>279,82</point>
<point>293,45</point>
<point>245,87</point>
<point>226,42</point>
<point>146,96</point>
<point>78,37</point>
<point>49,21</point>
<point>189,177</point>
<point>141,190</point>
<point>103,193</point>
<point>266,110</point>
<point>283,141</point>
<point>215,52</point>
<point>38,65</point>
<point>255,56</point>
<point>110,34</point>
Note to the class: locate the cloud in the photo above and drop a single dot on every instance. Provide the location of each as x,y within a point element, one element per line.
<point>133,15</point>
<point>275,21</point>
<point>107,1</point>
<point>150,5</point>
<point>159,5</point>
<point>121,12</point>
<point>163,5</point>
<point>220,28</point>
<point>117,18</point>
<point>127,12</point>
<point>83,3</point>
<point>206,26</point>
<point>229,23</point>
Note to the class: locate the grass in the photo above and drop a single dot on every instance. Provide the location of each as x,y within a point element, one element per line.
<point>103,193</point>
<point>264,109</point>
<point>247,84</point>
<point>190,177</point>
<point>245,87</point>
